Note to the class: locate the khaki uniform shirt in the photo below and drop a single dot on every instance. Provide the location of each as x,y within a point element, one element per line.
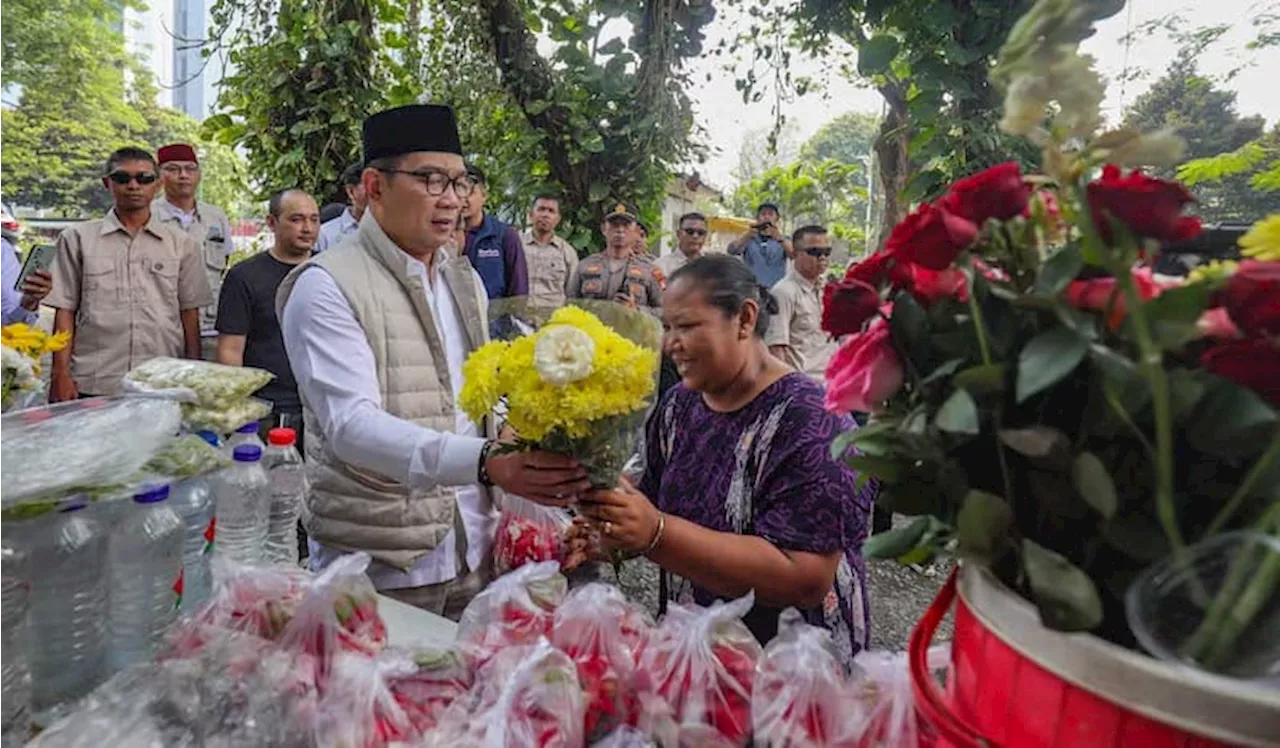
<point>551,267</point>
<point>798,324</point>
<point>209,228</point>
<point>127,293</point>
<point>602,277</point>
<point>671,262</point>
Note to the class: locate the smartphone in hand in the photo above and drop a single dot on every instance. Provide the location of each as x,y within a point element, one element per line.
<point>39,258</point>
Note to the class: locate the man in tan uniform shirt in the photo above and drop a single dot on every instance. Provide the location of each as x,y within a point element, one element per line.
<point>206,224</point>
<point>795,333</point>
<point>550,258</point>
<point>127,288</point>
<point>617,273</point>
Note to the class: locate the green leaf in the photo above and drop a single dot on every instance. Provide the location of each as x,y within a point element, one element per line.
<point>881,467</point>
<point>959,414</point>
<point>909,324</point>
<point>1185,390</point>
<point>1231,421</point>
<point>876,54</point>
<point>1092,481</point>
<point>893,543</point>
<point>981,380</point>
<point>534,108</point>
<point>1060,269</point>
<point>1048,358</point>
<point>1174,313</point>
<point>945,370</point>
<point>851,438</point>
<point>598,191</point>
<point>1065,596</point>
<point>1084,323</point>
<point>1045,446</point>
<point>982,525</point>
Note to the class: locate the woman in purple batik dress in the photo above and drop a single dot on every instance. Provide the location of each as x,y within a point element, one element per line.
<point>740,491</point>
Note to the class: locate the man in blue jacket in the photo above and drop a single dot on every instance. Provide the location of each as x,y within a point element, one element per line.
<point>494,247</point>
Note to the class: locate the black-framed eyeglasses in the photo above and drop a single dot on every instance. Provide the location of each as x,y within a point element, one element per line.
<point>124,177</point>
<point>695,232</point>
<point>818,251</point>
<point>437,181</point>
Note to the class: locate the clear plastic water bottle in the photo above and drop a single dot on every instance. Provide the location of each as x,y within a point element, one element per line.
<point>287,476</point>
<point>242,497</point>
<point>145,562</point>
<point>192,499</point>
<point>69,611</point>
<point>246,434</point>
<point>15,679</point>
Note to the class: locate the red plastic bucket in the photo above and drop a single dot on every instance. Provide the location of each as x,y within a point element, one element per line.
<point>998,695</point>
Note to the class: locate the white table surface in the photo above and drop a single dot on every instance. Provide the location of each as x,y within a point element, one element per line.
<point>408,626</point>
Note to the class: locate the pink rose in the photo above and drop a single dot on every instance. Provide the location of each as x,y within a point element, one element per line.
<point>1101,294</point>
<point>864,372</point>
<point>1216,323</point>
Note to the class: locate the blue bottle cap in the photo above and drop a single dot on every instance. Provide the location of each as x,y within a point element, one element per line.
<point>249,428</point>
<point>209,437</point>
<point>151,494</point>
<point>247,453</point>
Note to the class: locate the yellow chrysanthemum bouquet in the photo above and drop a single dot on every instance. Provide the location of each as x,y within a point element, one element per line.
<point>22,348</point>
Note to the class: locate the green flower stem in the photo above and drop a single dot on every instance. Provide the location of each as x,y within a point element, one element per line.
<point>978,324</point>
<point>1259,468</point>
<point>1262,586</point>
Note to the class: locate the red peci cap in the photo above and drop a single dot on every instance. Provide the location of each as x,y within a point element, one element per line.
<point>176,152</point>
<point>281,437</point>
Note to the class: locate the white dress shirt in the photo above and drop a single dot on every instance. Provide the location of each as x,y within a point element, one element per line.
<point>337,377</point>
<point>333,230</point>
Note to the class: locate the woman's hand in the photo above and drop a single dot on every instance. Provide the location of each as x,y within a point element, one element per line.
<point>582,544</point>
<point>628,521</point>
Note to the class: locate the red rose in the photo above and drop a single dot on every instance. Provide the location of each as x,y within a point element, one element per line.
<point>863,373</point>
<point>1150,207</point>
<point>1252,363</point>
<point>872,270</point>
<point>998,192</point>
<point>931,237</point>
<point>846,305</point>
<point>1102,294</point>
<point>1252,297</point>
<point>931,286</point>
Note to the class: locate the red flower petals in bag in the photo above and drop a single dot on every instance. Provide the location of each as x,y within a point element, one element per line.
<point>801,697</point>
<point>528,533</point>
<point>437,680</point>
<point>517,608</point>
<point>338,613</point>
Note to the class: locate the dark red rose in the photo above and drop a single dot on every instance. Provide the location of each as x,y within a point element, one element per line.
<point>998,192</point>
<point>1252,363</point>
<point>1252,297</point>
<point>1104,295</point>
<point>930,237</point>
<point>873,270</point>
<point>847,305</point>
<point>1151,208</point>
<point>931,286</point>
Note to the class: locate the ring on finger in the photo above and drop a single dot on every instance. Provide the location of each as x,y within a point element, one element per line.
<point>608,528</point>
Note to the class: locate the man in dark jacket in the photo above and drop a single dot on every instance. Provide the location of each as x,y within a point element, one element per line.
<point>493,246</point>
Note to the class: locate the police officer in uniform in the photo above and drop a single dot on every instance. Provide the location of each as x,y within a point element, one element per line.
<point>618,273</point>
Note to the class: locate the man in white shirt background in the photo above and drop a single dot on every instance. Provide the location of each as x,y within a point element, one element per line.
<point>335,230</point>
<point>376,331</point>
<point>691,237</point>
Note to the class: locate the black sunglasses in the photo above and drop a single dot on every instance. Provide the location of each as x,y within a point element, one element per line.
<point>695,232</point>
<point>124,177</point>
<point>818,251</point>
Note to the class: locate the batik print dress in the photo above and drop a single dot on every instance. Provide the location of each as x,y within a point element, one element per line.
<point>766,470</point>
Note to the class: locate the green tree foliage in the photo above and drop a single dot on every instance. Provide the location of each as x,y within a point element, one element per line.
<point>823,192</point>
<point>848,139</point>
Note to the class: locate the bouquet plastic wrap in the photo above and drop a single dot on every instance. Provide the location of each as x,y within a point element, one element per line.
<point>22,347</point>
<point>702,663</point>
<point>358,709</point>
<point>883,699</point>
<point>528,533</point>
<point>515,609</point>
<point>603,633</point>
<point>438,678</point>
<point>525,696</point>
<point>237,690</point>
<point>801,697</point>
<point>202,383</point>
<point>338,613</point>
<point>47,453</point>
<point>578,385</point>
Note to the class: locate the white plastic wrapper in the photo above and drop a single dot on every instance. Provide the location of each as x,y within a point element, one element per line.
<point>203,383</point>
<point>881,683</point>
<point>80,445</point>
<point>224,420</point>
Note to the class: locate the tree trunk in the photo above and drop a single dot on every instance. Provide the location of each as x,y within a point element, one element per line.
<point>891,157</point>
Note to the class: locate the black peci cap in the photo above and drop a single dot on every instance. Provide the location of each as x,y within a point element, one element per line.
<point>411,129</point>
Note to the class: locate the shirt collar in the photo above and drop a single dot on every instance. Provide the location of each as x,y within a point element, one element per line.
<point>111,224</point>
<point>348,218</point>
<point>529,238</point>
<point>804,283</point>
<point>176,212</point>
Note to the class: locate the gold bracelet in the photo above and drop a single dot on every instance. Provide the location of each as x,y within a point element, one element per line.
<point>657,536</point>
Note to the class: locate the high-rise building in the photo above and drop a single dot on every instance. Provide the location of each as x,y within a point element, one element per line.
<point>167,36</point>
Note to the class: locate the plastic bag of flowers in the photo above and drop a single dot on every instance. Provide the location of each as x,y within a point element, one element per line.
<point>528,533</point>
<point>801,696</point>
<point>439,677</point>
<point>517,608</point>
<point>338,614</point>
<point>203,383</point>
<point>358,709</point>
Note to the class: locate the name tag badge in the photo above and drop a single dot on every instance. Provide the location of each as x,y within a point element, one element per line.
<point>488,253</point>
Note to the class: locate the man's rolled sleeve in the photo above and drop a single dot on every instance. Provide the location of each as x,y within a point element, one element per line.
<point>193,282</point>
<point>779,332</point>
<point>66,273</point>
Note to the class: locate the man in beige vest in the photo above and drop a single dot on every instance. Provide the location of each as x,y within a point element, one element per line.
<point>377,329</point>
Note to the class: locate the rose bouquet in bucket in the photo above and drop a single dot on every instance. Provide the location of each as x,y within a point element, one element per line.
<point>1046,405</point>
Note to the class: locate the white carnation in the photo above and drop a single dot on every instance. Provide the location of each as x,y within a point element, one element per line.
<point>563,354</point>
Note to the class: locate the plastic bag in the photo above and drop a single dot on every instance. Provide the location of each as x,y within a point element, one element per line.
<point>358,709</point>
<point>203,383</point>
<point>525,696</point>
<point>528,533</point>
<point>47,453</point>
<point>186,457</point>
<point>625,737</point>
<point>439,677</point>
<point>517,608</point>
<point>702,662</point>
<point>602,633</point>
<point>338,613</point>
<point>255,600</point>
<point>801,697</point>
<point>884,700</point>
<point>224,420</point>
